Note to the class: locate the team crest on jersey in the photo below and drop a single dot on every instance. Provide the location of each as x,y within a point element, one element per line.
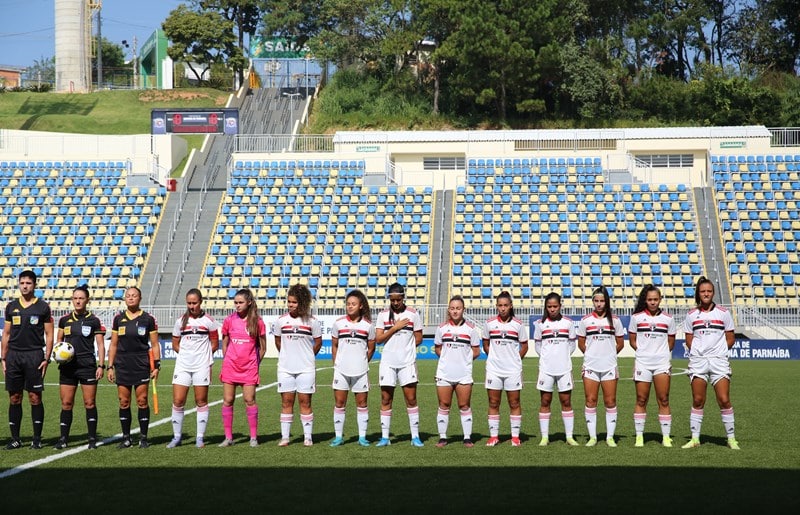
<point>707,324</point>
<point>86,330</point>
<point>34,320</point>
<point>353,333</point>
<point>194,329</point>
<point>652,327</point>
<point>141,330</point>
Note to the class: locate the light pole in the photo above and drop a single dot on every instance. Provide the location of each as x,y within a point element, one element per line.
<point>291,96</point>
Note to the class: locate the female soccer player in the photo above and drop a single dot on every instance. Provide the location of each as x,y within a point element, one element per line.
<point>709,335</point>
<point>600,339</point>
<point>195,340</point>
<point>652,336</point>
<point>505,341</point>
<point>352,345</point>
<point>457,343</point>
<point>399,329</point>
<point>554,340</point>
<point>134,333</point>
<point>298,338</point>
<point>244,342</point>
<point>83,330</point>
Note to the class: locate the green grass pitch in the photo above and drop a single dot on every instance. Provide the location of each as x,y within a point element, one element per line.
<point>764,475</point>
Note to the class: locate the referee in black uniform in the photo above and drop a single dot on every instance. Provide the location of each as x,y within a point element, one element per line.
<point>133,333</point>
<point>83,330</point>
<point>27,344</point>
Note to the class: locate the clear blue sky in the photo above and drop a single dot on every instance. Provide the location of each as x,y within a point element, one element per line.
<point>27,27</point>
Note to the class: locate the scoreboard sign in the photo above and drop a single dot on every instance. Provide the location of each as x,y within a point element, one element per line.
<point>194,121</point>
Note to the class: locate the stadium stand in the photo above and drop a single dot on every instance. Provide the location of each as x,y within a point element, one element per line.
<point>75,222</point>
<point>757,198</point>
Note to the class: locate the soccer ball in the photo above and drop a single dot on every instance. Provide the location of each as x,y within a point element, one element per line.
<point>63,352</point>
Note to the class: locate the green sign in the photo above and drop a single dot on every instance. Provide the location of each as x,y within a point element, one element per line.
<point>277,48</point>
<point>732,144</point>
<point>368,148</point>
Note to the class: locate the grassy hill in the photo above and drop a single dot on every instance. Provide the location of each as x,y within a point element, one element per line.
<point>102,112</point>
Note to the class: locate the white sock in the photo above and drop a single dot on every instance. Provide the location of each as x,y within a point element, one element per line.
<point>727,421</point>
<point>338,421</point>
<point>442,419</point>
<point>202,421</point>
<point>544,424</point>
<point>611,422</point>
<point>666,424</point>
<point>177,422</point>
<point>466,423</point>
<point>591,421</point>
<point>413,421</point>
<point>639,420</point>
<point>308,425</point>
<point>386,422</point>
<point>286,425</point>
<point>362,419</point>
<point>696,422</point>
<point>494,425</point>
<point>569,422</point>
<point>516,424</point>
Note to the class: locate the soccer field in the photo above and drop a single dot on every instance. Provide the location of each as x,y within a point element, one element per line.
<point>764,475</point>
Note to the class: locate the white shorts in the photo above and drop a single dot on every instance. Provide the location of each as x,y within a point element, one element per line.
<point>391,376</point>
<point>304,382</point>
<point>447,382</point>
<point>356,384</point>
<point>594,375</point>
<point>192,378</point>
<point>507,383</point>
<point>546,382</point>
<point>710,369</point>
<point>645,374</point>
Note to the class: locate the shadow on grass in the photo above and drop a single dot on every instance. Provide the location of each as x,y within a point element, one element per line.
<point>37,106</point>
<point>302,489</point>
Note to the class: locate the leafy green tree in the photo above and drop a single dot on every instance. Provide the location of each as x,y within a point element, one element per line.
<point>766,36</point>
<point>42,71</point>
<point>245,16</point>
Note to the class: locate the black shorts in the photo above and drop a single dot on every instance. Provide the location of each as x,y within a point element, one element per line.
<point>22,371</point>
<point>132,369</point>
<point>82,369</point>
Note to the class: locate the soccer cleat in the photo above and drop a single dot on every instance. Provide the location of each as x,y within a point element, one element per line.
<point>36,444</point>
<point>143,443</point>
<point>336,442</point>
<point>308,442</point>
<point>639,441</point>
<point>492,441</point>
<point>691,444</point>
<point>125,443</point>
<point>363,442</point>
<point>284,442</point>
<point>92,444</point>
<point>13,444</point>
<point>254,442</point>
<point>544,442</point>
<point>666,441</point>
<point>175,442</point>
<point>572,442</point>
<point>610,442</point>
<point>383,442</point>
<point>592,442</point>
<point>441,443</point>
<point>61,443</point>
<point>515,442</point>
<point>226,442</point>
<point>199,443</point>
<point>733,444</point>
<point>416,442</point>
<point>468,443</point>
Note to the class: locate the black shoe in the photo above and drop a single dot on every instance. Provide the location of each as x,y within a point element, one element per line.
<point>143,443</point>
<point>36,444</point>
<point>13,444</point>
<point>125,443</point>
<point>61,444</point>
<point>92,443</point>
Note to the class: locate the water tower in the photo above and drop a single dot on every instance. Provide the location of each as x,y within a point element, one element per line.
<point>74,44</point>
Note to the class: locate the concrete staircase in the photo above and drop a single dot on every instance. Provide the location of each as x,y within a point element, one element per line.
<point>711,241</point>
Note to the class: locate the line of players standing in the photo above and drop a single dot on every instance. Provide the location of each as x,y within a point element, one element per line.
<point>133,360</point>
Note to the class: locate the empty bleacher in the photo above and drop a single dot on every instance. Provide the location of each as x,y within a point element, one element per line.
<point>75,223</point>
<point>757,197</point>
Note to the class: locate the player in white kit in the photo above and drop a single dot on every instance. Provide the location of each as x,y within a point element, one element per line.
<point>505,342</point>
<point>651,332</point>
<point>298,338</point>
<point>600,336</point>
<point>554,339</point>
<point>399,329</point>
<point>194,339</point>
<point>709,336</point>
<point>352,344</point>
<point>457,343</point>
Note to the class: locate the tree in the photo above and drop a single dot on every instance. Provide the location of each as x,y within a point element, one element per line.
<point>245,16</point>
<point>766,36</point>
<point>42,71</point>
<point>112,54</point>
<point>200,39</point>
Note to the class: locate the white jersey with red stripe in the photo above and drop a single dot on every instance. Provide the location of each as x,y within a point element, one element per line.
<point>352,339</point>
<point>401,349</point>
<point>601,342</point>
<point>456,342</point>
<point>297,343</point>
<point>708,330</point>
<point>195,342</point>
<point>652,337</point>
<point>555,343</point>
<point>505,339</point>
